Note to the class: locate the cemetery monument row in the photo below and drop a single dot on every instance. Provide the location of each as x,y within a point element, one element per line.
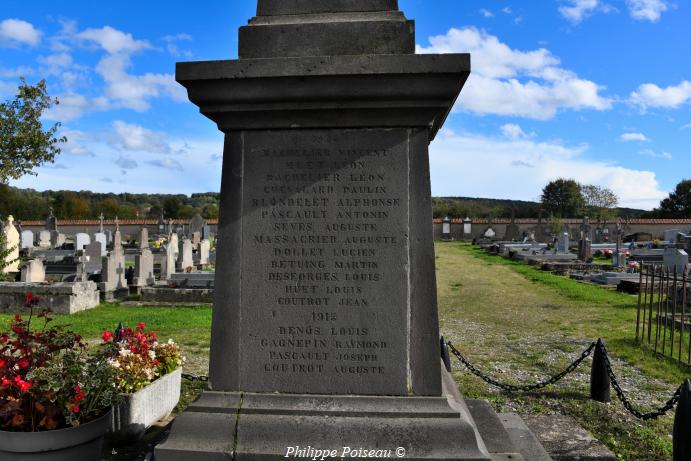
<point>325,325</point>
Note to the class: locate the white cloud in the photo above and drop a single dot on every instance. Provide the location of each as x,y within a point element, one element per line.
<point>651,95</point>
<point>653,154</point>
<point>172,45</point>
<point>126,163</point>
<point>16,72</point>
<point>486,13</point>
<point>513,131</point>
<point>55,64</point>
<point>167,163</point>
<point>16,31</point>
<point>633,137</point>
<point>507,10</point>
<point>73,106</point>
<point>577,10</point>
<point>647,10</point>
<point>477,166</point>
<point>505,81</point>
<point>76,143</point>
<point>137,138</point>
<point>686,127</point>
<point>113,40</point>
<point>134,91</point>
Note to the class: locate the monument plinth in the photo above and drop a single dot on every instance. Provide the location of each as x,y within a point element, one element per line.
<point>325,326</point>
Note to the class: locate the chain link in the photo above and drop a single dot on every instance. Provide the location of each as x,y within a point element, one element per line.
<point>625,401</point>
<point>531,387</point>
<point>191,377</point>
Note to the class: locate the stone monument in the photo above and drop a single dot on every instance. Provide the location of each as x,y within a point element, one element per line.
<point>11,244</point>
<point>325,323</point>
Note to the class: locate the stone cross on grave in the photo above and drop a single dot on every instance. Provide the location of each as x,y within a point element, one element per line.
<point>100,219</point>
<point>117,223</point>
<point>82,274</point>
<point>585,228</point>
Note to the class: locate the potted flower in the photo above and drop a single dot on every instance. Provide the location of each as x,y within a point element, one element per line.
<point>147,374</point>
<point>56,393</point>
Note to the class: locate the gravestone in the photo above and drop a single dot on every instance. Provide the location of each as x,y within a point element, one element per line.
<point>584,250</point>
<point>12,241</point>
<point>671,235</point>
<point>174,246</point>
<point>185,260</point>
<point>82,272</point>
<point>44,239</point>
<point>143,238</point>
<point>196,225</point>
<point>33,272</point>
<point>143,269</point>
<point>325,324</point>
<point>102,238</point>
<point>563,243</point>
<point>112,276</point>
<point>93,252</point>
<point>81,240</point>
<point>674,258</point>
<point>109,237</point>
<point>57,239</point>
<point>206,232</point>
<point>51,221</point>
<point>196,238</point>
<point>489,233</point>
<point>467,226</point>
<point>201,257</point>
<point>27,238</point>
<point>512,230</point>
<point>167,262</point>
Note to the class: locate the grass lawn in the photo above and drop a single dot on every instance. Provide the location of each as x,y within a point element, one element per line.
<point>521,325</point>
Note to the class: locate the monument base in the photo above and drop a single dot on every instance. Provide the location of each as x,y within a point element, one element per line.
<point>248,426</point>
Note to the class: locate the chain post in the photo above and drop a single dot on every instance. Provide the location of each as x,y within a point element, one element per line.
<point>599,378</point>
<point>682,425</point>
<point>445,354</point>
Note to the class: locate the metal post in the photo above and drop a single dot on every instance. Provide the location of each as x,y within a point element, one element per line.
<point>674,314</point>
<point>445,354</point>
<point>666,304</point>
<point>645,299</point>
<point>652,297</point>
<point>599,378</point>
<point>661,283</point>
<point>683,312</point>
<point>681,432</point>
<point>638,310</point>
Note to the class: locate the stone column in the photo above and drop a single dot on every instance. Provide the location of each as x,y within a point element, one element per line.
<point>325,322</point>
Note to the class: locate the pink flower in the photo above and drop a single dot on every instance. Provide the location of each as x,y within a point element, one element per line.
<point>141,326</point>
<point>106,336</point>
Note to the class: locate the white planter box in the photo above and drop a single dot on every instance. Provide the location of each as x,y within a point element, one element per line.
<point>139,411</point>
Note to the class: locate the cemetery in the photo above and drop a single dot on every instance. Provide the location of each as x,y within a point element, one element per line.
<point>325,314</point>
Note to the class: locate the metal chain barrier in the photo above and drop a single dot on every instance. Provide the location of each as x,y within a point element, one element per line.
<point>628,405</point>
<point>531,387</point>
<point>191,377</point>
<point>613,379</point>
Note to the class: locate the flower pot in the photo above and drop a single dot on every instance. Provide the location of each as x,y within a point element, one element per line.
<point>81,443</point>
<point>139,411</point>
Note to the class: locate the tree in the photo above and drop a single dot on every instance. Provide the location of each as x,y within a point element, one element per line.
<point>678,204</point>
<point>562,198</point>
<point>24,144</point>
<point>599,201</point>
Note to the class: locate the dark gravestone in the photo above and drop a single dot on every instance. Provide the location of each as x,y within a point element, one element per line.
<point>325,323</point>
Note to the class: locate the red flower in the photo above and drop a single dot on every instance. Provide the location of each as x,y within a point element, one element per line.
<point>141,326</point>
<point>106,336</point>
<point>6,382</point>
<point>2,363</point>
<point>79,394</point>
<point>21,384</point>
<point>23,363</point>
<point>75,408</point>
<point>17,318</point>
<point>153,335</point>
<point>29,297</point>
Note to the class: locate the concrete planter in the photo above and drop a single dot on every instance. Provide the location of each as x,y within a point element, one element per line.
<point>81,443</point>
<point>139,411</point>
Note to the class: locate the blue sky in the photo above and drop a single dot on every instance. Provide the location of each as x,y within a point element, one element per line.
<point>595,90</point>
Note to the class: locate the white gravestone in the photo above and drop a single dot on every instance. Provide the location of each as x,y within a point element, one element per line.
<point>185,260</point>
<point>103,239</point>
<point>81,240</point>
<point>44,239</point>
<point>33,272</point>
<point>27,239</point>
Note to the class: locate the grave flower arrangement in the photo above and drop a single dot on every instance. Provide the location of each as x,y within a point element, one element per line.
<point>49,378</point>
<point>137,358</point>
